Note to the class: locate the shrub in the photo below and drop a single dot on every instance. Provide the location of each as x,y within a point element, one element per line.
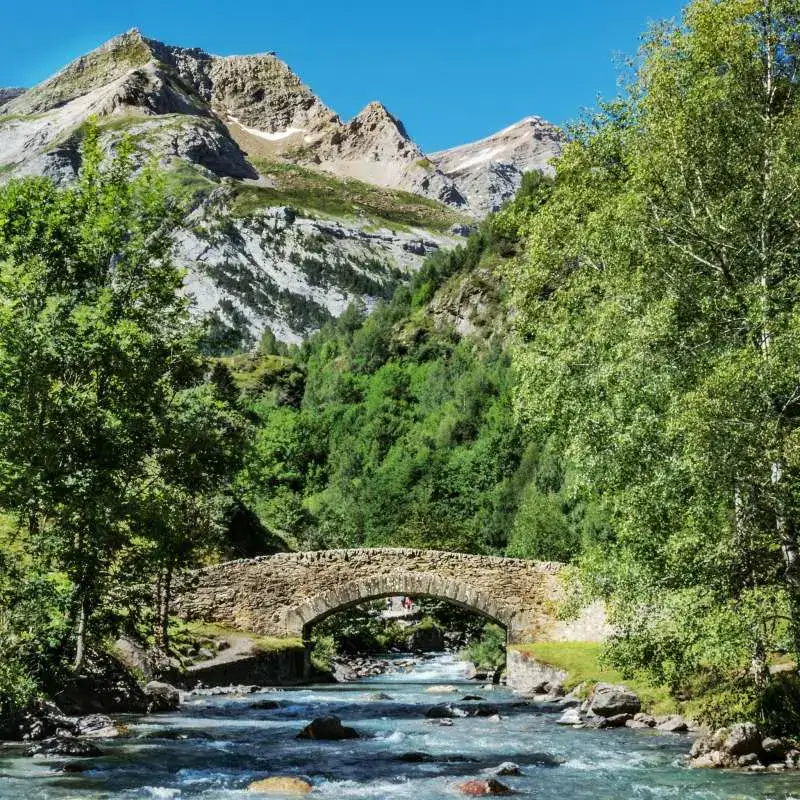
<point>489,652</point>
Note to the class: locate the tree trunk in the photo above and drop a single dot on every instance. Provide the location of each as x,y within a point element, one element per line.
<point>759,668</point>
<point>787,536</point>
<point>165,597</point>
<point>80,638</point>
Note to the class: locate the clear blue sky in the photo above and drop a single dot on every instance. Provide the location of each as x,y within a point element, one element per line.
<point>452,70</point>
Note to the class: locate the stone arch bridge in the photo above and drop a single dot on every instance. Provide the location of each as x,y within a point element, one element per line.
<point>285,594</point>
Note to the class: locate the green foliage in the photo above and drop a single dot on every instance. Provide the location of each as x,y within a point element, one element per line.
<point>489,652</point>
<point>323,653</point>
<point>360,629</point>
<point>114,453</point>
<point>541,530</point>
<point>386,449</point>
<point>658,324</point>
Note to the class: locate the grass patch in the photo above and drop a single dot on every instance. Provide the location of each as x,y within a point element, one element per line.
<point>263,644</point>
<point>4,118</point>
<point>583,663</point>
<point>254,375</point>
<point>186,183</point>
<point>312,190</point>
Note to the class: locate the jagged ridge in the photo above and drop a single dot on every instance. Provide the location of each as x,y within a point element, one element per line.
<point>208,118</point>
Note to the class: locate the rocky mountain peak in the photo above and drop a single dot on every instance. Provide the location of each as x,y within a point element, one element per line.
<point>490,170</point>
<point>261,92</point>
<point>376,116</point>
<point>103,66</point>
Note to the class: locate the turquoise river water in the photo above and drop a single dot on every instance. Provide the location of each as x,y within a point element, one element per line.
<point>215,746</point>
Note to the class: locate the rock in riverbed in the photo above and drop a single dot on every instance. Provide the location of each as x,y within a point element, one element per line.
<point>445,712</point>
<point>504,769</point>
<point>611,701</point>
<point>742,746</point>
<point>161,697</point>
<point>327,729</point>
<point>98,726</point>
<point>641,721</point>
<point>478,788</point>
<point>570,717</point>
<point>74,748</point>
<point>281,786</point>
<point>265,705</point>
<point>673,724</point>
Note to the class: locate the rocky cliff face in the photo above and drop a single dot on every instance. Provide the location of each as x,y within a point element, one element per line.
<point>252,147</point>
<point>490,171</point>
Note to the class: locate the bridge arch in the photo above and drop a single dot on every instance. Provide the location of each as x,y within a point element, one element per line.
<point>301,618</point>
<point>281,595</point>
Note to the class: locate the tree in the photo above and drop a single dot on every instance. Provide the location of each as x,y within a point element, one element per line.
<point>659,325</point>
<point>181,497</point>
<point>94,343</point>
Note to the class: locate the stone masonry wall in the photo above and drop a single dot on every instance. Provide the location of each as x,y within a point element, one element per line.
<point>281,595</point>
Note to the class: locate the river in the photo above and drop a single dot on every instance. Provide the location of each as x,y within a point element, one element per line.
<point>240,744</point>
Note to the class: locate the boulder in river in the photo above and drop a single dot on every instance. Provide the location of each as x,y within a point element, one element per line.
<point>505,769</point>
<point>673,724</point>
<point>327,729</point>
<point>742,739</point>
<point>98,726</point>
<point>441,689</point>
<point>173,735</point>
<point>265,705</point>
<point>416,757</point>
<point>617,721</point>
<point>74,768</point>
<point>40,720</point>
<point>54,748</point>
<point>775,749</point>
<point>545,759</point>
<point>479,788</point>
<point>641,721</point>
<point>380,696</point>
<point>738,746</point>
<point>445,712</point>
<point>344,673</point>
<point>570,717</point>
<point>161,697</point>
<point>281,785</point>
<point>609,701</point>
<point>484,710</point>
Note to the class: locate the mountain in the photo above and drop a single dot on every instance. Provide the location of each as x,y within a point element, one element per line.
<point>489,172</point>
<point>9,94</point>
<point>294,212</point>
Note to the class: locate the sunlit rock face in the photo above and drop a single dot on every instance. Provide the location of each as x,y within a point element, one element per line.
<point>489,172</point>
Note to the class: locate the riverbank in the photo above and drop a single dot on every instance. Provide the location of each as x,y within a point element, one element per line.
<point>580,664</point>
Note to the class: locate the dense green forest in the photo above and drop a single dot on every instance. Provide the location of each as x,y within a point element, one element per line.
<point>607,374</point>
<point>394,430</point>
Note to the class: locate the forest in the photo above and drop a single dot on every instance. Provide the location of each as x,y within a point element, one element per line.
<point>606,374</point>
